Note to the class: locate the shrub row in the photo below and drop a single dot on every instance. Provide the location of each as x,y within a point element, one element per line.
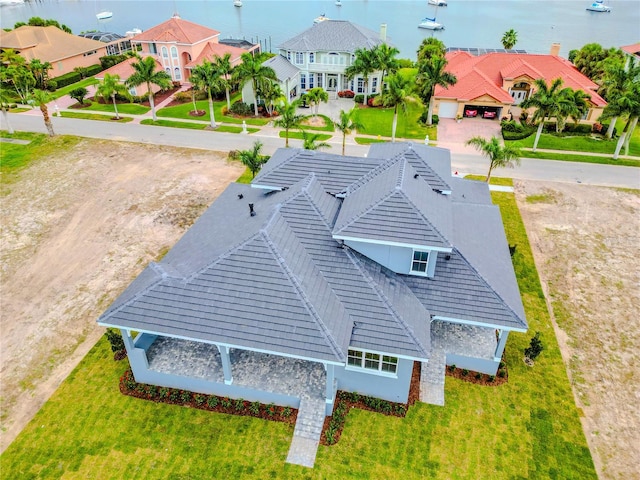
<point>346,94</point>
<point>435,119</point>
<point>129,386</point>
<point>359,98</point>
<point>184,97</point>
<point>66,79</point>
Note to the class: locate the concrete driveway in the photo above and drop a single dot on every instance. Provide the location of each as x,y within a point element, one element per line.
<point>450,131</point>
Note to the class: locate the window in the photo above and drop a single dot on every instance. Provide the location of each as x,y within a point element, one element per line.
<point>92,52</point>
<point>319,80</point>
<point>289,56</point>
<point>360,85</point>
<point>311,77</point>
<point>374,84</point>
<point>152,49</point>
<point>168,70</point>
<point>372,361</point>
<point>312,57</point>
<point>177,75</point>
<point>165,52</point>
<point>420,261</point>
<point>174,52</point>
<point>303,81</point>
<point>299,58</point>
<point>132,90</point>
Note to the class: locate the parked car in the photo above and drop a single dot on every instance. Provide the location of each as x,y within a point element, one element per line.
<point>489,115</point>
<point>471,113</point>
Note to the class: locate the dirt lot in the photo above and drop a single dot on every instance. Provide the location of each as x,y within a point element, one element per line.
<point>76,230</point>
<point>585,241</point>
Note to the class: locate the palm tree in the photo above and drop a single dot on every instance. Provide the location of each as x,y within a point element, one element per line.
<point>271,93</point>
<point>288,118</point>
<point>206,77</point>
<point>109,88</point>
<point>314,97</point>
<point>432,73</point>
<point>347,124</point>
<point>631,109</point>
<point>252,70</point>
<point>396,96</point>
<point>385,60</point>
<point>545,100</point>
<point>499,155</point>
<point>574,104</point>
<point>364,64</point>
<point>40,72</point>
<point>509,39</point>
<point>310,141</point>
<point>41,98</point>
<point>5,101</point>
<point>225,69</point>
<point>430,47</point>
<point>145,72</point>
<point>253,159</point>
<point>616,83</point>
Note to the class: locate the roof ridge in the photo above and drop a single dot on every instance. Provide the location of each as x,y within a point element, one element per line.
<point>488,285</point>
<point>364,211</point>
<point>363,180</point>
<point>137,295</point>
<point>394,313</point>
<point>333,345</point>
<point>422,214</point>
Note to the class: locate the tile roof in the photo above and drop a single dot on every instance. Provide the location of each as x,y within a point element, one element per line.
<point>124,69</point>
<point>176,30</point>
<point>333,35</point>
<point>633,49</point>
<point>284,69</point>
<point>213,49</point>
<point>484,75</point>
<point>48,44</point>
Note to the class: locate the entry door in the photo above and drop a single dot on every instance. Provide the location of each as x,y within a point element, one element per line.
<point>332,83</point>
<point>519,96</point>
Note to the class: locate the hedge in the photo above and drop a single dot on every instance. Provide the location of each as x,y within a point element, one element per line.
<point>67,79</point>
<point>94,70</point>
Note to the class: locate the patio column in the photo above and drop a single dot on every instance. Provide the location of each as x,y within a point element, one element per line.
<point>502,341</point>
<point>226,364</point>
<point>128,340</point>
<point>329,387</point>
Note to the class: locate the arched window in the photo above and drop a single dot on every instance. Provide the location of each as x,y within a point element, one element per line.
<point>165,52</point>
<point>177,74</point>
<point>174,52</point>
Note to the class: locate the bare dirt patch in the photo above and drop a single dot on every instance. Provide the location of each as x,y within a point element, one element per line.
<point>314,122</point>
<point>76,229</point>
<point>585,242</point>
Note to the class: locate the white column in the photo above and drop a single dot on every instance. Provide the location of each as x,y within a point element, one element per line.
<point>128,340</point>
<point>226,364</point>
<point>502,341</point>
<point>329,387</point>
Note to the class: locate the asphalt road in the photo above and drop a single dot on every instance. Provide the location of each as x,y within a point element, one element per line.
<point>462,161</point>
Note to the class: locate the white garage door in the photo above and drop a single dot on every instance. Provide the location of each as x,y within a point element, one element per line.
<point>448,109</point>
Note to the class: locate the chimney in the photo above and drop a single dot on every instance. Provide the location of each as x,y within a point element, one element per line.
<point>555,49</point>
<point>383,32</point>
<point>251,211</point>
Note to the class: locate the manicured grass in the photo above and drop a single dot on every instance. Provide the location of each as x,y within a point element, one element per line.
<point>182,111</point>
<point>130,108</point>
<point>527,428</point>
<point>369,140</point>
<point>61,92</point>
<point>580,158</point>
<point>246,177</point>
<point>377,121</point>
<point>169,123</point>
<point>506,182</point>
<point>580,143</point>
<point>298,135</point>
<point>19,110</point>
<point>95,116</point>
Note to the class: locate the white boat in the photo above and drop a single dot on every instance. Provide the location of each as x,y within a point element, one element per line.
<point>321,18</point>
<point>133,32</point>
<point>237,3</point>
<point>430,24</point>
<point>104,15</point>
<point>599,6</point>
<point>10,2</point>
<point>439,3</point>
<point>339,3</point>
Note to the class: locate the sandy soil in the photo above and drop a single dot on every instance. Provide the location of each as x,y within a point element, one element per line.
<point>76,229</point>
<point>585,242</point>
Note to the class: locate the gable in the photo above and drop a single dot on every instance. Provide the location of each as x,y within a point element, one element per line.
<point>177,30</point>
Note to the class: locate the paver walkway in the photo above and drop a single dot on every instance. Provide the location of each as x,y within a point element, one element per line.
<point>306,435</point>
<point>432,377</point>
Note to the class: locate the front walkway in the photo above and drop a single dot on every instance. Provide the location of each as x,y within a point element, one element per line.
<point>258,371</point>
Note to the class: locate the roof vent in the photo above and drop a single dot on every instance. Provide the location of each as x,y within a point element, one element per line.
<point>240,196</point>
<point>447,257</point>
<point>416,175</point>
<point>251,210</point>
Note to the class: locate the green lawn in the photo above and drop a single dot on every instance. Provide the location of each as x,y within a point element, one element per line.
<point>130,108</point>
<point>196,126</point>
<point>298,135</point>
<point>182,111</point>
<point>580,158</point>
<point>95,116</point>
<point>527,428</point>
<point>61,92</point>
<point>579,143</point>
<point>369,140</point>
<point>377,121</point>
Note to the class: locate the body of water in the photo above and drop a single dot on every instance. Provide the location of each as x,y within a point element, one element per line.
<point>468,23</point>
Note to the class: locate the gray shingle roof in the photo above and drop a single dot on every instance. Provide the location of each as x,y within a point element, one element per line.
<point>283,68</point>
<point>394,204</point>
<point>334,36</point>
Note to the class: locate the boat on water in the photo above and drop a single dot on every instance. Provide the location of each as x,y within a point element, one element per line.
<point>439,3</point>
<point>104,15</point>
<point>430,24</point>
<point>339,3</point>
<point>133,32</point>
<point>10,2</point>
<point>237,3</point>
<point>599,6</point>
<point>321,18</point>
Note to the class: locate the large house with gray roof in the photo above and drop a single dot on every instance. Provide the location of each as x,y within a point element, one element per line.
<point>328,272</point>
<point>322,53</point>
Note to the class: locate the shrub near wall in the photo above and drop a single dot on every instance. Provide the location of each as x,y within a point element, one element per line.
<point>67,79</point>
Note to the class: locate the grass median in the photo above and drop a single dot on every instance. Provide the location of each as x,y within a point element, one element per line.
<point>95,116</point>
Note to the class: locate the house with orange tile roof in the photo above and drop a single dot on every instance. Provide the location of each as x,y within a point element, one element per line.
<point>632,51</point>
<point>62,50</point>
<point>489,85</point>
<point>124,70</point>
<point>178,45</point>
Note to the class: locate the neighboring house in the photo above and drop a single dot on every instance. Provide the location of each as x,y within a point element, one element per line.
<point>116,44</point>
<point>323,52</point>
<point>124,70</point>
<point>288,77</point>
<point>328,272</point>
<point>490,84</point>
<point>62,50</point>
<point>178,45</point>
<point>631,51</point>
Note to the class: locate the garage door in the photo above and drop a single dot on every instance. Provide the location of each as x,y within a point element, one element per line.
<point>448,109</point>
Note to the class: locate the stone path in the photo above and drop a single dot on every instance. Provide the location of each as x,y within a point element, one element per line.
<point>432,377</point>
<point>306,435</point>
